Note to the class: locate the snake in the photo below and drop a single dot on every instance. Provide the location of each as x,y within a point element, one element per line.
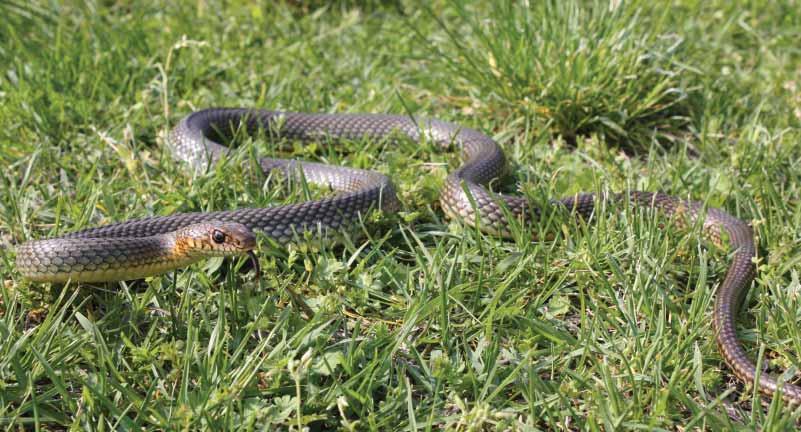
<point>157,244</point>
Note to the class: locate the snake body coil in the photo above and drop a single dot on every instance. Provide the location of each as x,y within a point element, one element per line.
<point>195,140</point>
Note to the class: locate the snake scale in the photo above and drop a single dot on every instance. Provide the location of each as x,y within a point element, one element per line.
<point>140,247</point>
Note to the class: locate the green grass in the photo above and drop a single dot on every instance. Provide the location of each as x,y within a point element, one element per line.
<point>425,323</point>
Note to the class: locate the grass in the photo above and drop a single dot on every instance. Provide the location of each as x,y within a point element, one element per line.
<point>425,324</point>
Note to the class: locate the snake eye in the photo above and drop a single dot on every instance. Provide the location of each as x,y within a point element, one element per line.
<point>218,236</point>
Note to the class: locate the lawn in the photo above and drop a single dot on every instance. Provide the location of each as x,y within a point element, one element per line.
<point>421,323</point>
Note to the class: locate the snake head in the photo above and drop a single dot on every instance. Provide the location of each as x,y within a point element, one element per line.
<point>214,238</point>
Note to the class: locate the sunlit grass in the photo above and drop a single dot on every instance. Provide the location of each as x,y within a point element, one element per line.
<point>424,323</point>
